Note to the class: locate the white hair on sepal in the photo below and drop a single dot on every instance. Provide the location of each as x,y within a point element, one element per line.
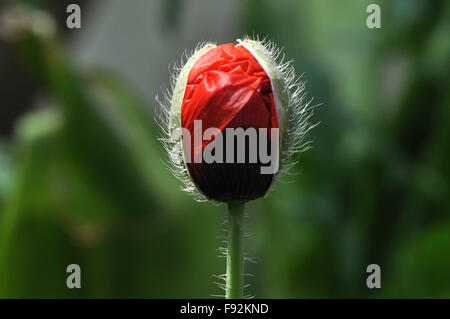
<point>168,118</point>
<point>296,109</point>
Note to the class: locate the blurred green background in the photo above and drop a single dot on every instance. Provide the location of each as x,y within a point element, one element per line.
<point>83,178</point>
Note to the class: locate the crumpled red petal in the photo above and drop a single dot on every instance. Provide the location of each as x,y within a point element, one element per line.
<point>228,88</point>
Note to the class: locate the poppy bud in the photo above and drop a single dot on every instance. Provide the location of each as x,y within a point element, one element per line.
<point>233,119</point>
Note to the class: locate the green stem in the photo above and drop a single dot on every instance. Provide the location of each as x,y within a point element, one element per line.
<point>235,258</point>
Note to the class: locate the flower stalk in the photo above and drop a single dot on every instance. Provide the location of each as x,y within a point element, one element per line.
<point>235,255</point>
<point>243,88</point>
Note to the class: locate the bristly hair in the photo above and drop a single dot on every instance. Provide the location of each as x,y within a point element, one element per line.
<point>294,104</point>
<point>166,118</point>
<point>298,109</point>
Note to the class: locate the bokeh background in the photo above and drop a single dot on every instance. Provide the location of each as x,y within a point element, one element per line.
<point>83,179</point>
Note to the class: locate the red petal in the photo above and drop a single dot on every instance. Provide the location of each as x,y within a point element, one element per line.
<point>227,87</point>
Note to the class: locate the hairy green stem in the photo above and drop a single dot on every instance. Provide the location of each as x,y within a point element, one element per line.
<point>235,258</point>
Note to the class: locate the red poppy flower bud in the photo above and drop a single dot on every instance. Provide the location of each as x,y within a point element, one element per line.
<point>225,125</point>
